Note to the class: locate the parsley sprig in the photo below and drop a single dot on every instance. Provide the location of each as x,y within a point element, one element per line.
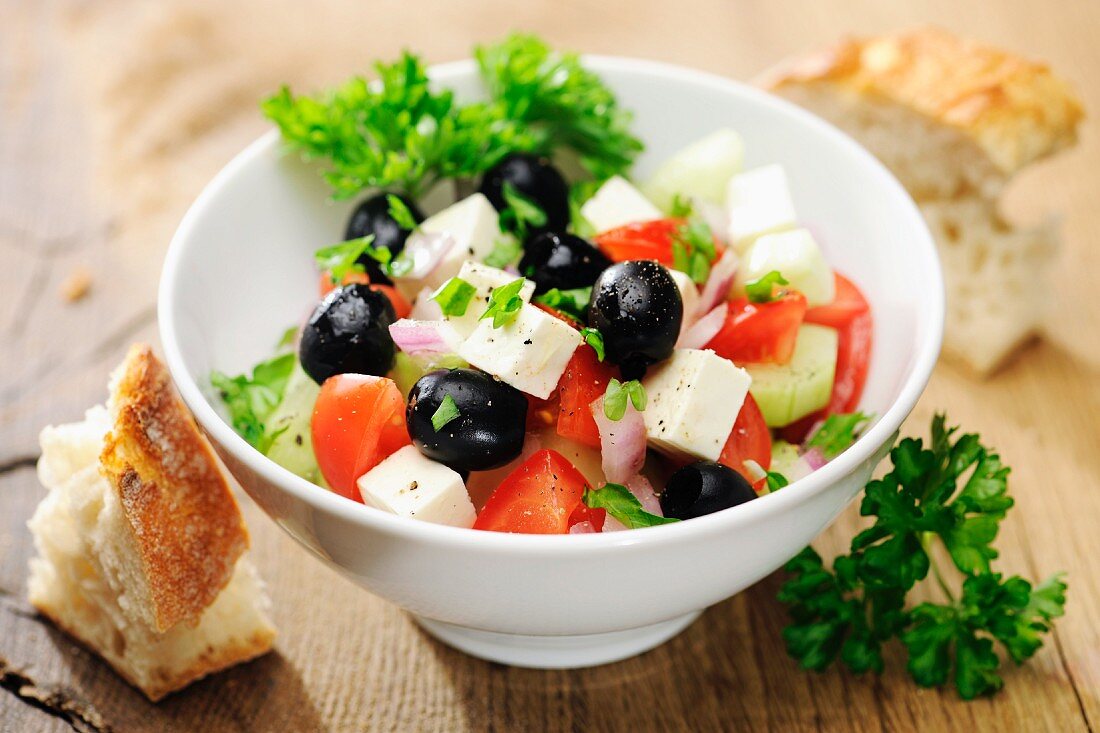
<point>251,398</point>
<point>837,433</point>
<point>693,249</point>
<point>766,288</point>
<point>952,492</point>
<point>618,393</point>
<point>454,296</point>
<point>571,302</point>
<point>342,259</point>
<point>521,213</point>
<point>504,303</point>
<point>623,506</point>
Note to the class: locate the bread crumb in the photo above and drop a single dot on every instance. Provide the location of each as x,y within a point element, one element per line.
<point>76,285</point>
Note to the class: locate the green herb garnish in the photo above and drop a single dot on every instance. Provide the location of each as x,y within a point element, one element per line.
<point>953,491</point>
<point>579,193</point>
<point>763,289</point>
<point>617,394</point>
<point>454,296</point>
<point>571,302</point>
<point>342,259</point>
<point>521,213</point>
<point>504,303</point>
<point>250,399</point>
<point>594,338</point>
<point>682,207</point>
<point>693,249</point>
<point>623,506</point>
<point>776,481</point>
<point>445,413</point>
<point>837,433</point>
<point>506,250</point>
<point>400,213</point>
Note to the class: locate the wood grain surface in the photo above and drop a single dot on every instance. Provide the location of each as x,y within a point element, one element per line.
<point>114,114</point>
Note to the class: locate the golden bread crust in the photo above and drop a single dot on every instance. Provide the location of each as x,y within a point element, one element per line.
<point>186,524</point>
<point>1016,110</point>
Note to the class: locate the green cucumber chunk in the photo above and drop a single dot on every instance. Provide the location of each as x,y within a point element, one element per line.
<point>701,170</point>
<point>789,392</point>
<point>292,447</point>
<point>407,369</point>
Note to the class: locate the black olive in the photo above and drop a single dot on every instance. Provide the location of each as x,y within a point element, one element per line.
<point>702,488</point>
<point>373,217</point>
<point>489,429</point>
<point>536,179</point>
<point>637,308</point>
<point>562,261</point>
<point>349,331</point>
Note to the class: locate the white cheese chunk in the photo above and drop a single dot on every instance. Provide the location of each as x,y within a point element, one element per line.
<point>692,402</point>
<point>796,256</point>
<point>616,203</point>
<point>409,484</point>
<point>758,202</point>
<point>530,353</point>
<point>473,224</point>
<point>483,278</point>
<point>689,293</point>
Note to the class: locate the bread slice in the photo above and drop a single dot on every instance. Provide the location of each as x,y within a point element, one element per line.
<point>954,120</point>
<point>140,541</point>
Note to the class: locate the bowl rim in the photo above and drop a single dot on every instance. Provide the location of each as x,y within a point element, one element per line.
<point>930,317</point>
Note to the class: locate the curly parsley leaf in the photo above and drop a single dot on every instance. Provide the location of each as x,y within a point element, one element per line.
<point>837,433</point>
<point>570,302</point>
<point>618,393</point>
<point>521,212</point>
<point>954,490</point>
<point>504,303</point>
<point>559,102</point>
<point>623,506</point>
<point>342,259</point>
<point>251,398</point>
<point>397,132</point>
<point>693,249</point>
<point>454,296</point>
<point>763,289</point>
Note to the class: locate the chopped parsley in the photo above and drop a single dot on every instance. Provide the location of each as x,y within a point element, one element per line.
<point>445,413</point>
<point>454,296</point>
<point>763,289</point>
<point>504,303</point>
<point>693,249</point>
<point>400,213</point>
<point>623,506</point>
<point>594,338</point>
<point>570,302</point>
<point>506,250</point>
<point>342,259</point>
<point>618,393</point>
<point>837,433</point>
<point>521,213</point>
<point>682,207</point>
<point>251,398</point>
<point>776,481</point>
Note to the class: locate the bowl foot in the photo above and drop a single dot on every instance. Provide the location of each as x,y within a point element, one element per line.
<point>556,652</point>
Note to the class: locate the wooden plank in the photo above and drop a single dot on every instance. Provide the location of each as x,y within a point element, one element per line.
<point>172,89</point>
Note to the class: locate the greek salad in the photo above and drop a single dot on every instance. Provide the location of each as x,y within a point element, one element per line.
<point>558,348</point>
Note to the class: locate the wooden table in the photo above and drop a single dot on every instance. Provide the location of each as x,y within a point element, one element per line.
<point>113,116</point>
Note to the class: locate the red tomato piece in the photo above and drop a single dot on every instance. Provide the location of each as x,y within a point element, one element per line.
<point>749,440</point>
<point>539,497</point>
<point>846,306</point>
<point>358,421</point>
<point>644,240</point>
<point>584,380</point>
<point>401,305</point>
<point>560,315</point>
<point>760,333</point>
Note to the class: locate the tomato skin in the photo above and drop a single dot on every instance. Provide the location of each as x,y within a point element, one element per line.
<point>539,497</point>
<point>560,315</point>
<point>760,333</point>
<point>584,380</point>
<point>401,306</point>
<point>644,240</point>
<point>852,318</point>
<point>750,440</point>
<point>358,421</point>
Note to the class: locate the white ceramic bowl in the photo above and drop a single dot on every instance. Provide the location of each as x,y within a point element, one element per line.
<point>240,270</point>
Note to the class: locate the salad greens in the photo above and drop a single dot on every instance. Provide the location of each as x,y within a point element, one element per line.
<point>400,134</point>
<point>445,413</point>
<point>520,213</point>
<point>572,302</point>
<point>623,506</point>
<point>341,259</point>
<point>762,290</point>
<point>504,303</point>
<point>251,398</point>
<point>693,249</point>
<point>954,491</point>
<point>594,338</point>
<point>454,296</point>
<point>617,394</point>
<point>837,433</point>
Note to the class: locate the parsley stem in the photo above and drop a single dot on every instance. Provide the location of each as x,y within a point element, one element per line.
<point>926,543</point>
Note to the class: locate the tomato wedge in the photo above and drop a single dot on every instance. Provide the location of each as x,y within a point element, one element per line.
<point>401,305</point>
<point>540,496</point>
<point>560,315</point>
<point>644,240</point>
<point>749,440</point>
<point>760,333</point>
<point>847,305</point>
<point>358,421</point>
<point>584,380</point>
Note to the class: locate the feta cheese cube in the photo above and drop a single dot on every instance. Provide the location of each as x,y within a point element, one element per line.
<point>692,402</point>
<point>483,278</point>
<point>409,484</point>
<point>530,353</point>
<point>473,224</point>
<point>758,202</point>
<point>689,293</point>
<point>796,256</point>
<point>616,203</point>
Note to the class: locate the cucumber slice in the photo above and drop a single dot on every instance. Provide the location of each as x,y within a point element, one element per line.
<point>701,170</point>
<point>293,447</point>
<point>787,461</point>
<point>407,369</point>
<point>788,392</point>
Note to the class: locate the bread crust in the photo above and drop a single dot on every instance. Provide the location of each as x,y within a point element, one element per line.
<point>186,524</point>
<point>1016,110</point>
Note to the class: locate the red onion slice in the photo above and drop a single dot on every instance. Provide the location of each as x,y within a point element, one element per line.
<point>424,337</point>
<point>584,527</point>
<point>425,250</point>
<point>814,458</point>
<point>643,491</point>
<point>702,331</point>
<point>622,442</point>
<point>717,287</point>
